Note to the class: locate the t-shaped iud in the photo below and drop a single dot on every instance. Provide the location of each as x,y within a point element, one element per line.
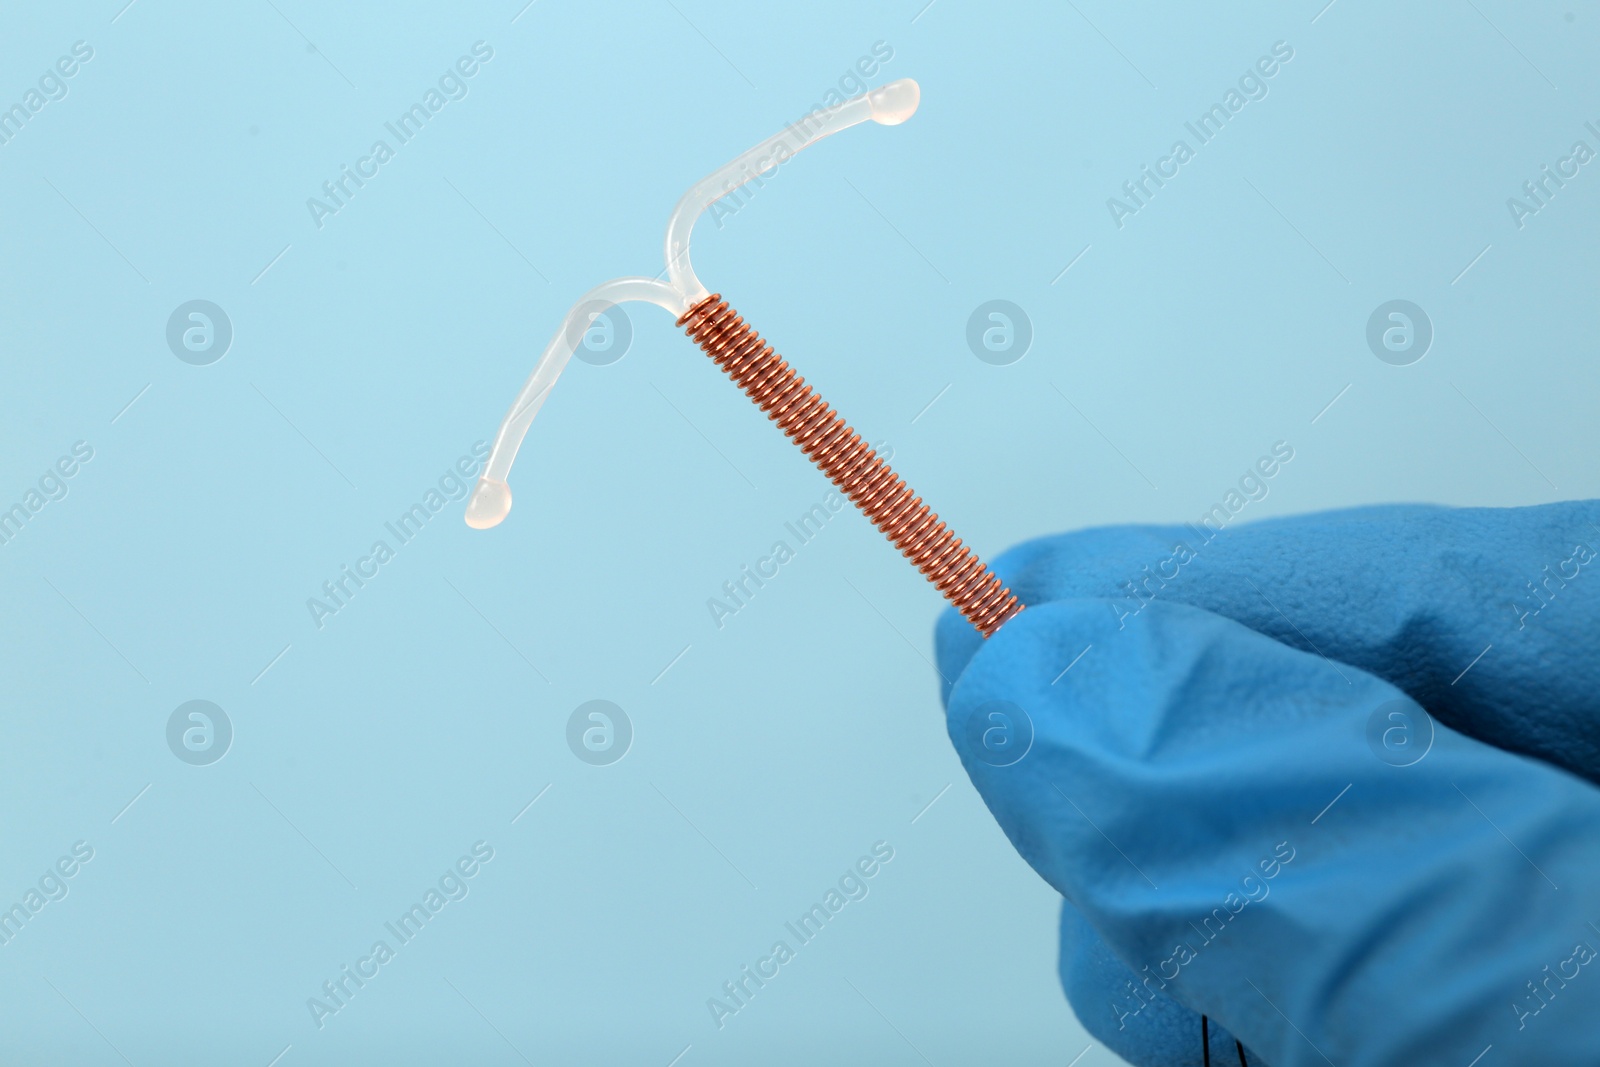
<point>752,364</point>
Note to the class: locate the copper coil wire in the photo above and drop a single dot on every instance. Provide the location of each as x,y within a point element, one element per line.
<point>850,464</point>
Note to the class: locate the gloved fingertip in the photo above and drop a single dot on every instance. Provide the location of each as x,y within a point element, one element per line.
<point>955,642</point>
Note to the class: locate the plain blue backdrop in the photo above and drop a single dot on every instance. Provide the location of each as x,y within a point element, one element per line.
<point>370,353</point>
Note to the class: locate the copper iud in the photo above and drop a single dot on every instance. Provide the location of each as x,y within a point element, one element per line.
<point>850,463</point>
<point>825,438</point>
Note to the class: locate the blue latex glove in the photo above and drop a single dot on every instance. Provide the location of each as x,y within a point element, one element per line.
<point>1234,789</point>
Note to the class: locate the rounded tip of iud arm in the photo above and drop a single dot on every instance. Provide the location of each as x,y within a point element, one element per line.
<point>892,104</point>
<point>489,504</point>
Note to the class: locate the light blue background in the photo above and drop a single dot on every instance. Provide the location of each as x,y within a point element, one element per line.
<point>370,754</point>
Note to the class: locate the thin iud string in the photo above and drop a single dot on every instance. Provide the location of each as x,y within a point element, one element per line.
<point>1205,1042</point>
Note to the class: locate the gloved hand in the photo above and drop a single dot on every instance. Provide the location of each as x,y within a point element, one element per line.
<point>1226,769</point>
